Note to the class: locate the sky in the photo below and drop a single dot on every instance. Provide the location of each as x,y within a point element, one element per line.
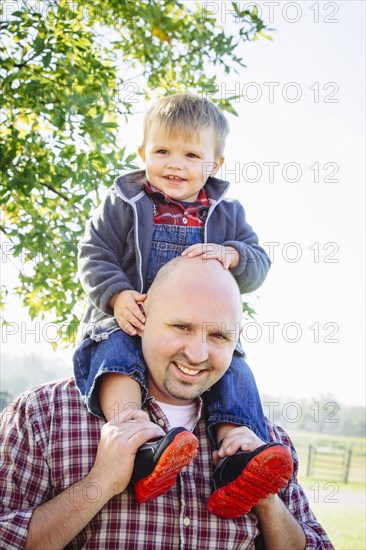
<point>295,160</point>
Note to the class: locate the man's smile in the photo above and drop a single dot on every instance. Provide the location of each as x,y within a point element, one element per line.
<point>188,371</point>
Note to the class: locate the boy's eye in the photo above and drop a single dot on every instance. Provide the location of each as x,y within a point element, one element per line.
<point>192,155</point>
<point>161,151</point>
<point>183,328</point>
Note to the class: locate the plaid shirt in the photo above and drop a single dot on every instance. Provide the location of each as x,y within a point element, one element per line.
<point>170,212</point>
<point>49,442</point>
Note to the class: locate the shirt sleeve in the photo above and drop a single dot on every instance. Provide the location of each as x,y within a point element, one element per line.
<point>24,473</point>
<point>296,500</point>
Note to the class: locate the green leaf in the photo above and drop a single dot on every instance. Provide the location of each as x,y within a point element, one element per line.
<point>47,59</point>
<point>38,45</point>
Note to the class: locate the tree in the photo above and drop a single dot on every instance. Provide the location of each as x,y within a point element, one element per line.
<point>69,74</point>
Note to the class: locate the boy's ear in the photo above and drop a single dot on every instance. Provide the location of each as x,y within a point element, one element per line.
<point>217,165</point>
<point>141,152</point>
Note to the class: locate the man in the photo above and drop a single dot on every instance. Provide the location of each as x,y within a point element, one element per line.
<point>67,472</point>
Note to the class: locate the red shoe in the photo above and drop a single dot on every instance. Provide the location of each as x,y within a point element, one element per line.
<point>241,480</point>
<point>158,463</point>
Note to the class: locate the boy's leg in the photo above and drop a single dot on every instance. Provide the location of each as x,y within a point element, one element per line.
<point>95,362</point>
<point>234,401</point>
<point>118,392</point>
<point>242,479</point>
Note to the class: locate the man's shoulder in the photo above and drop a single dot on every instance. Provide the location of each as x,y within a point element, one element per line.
<point>277,433</point>
<point>56,392</point>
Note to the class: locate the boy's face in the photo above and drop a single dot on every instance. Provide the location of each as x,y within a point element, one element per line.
<point>177,167</point>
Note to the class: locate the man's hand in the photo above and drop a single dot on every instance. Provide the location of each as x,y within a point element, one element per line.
<point>237,438</point>
<point>227,255</point>
<point>117,448</point>
<point>129,311</point>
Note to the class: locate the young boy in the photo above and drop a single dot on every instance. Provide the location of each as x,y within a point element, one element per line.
<point>174,207</point>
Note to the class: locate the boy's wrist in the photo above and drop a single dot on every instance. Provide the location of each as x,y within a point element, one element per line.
<point>112,301</point>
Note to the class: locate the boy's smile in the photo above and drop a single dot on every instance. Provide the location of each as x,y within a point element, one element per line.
<point>177,166</point>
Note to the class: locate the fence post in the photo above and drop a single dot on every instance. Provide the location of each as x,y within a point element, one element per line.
<point>348,464</point>
<point>309,460</point>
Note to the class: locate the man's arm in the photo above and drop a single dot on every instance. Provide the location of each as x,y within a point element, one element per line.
<point>279,528</point>
<point>290,511</point>
<point>55,523</point>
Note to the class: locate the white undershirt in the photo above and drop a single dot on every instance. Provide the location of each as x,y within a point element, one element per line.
<point>180,415</point>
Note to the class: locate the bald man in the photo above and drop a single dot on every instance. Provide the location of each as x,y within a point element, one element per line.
<point>66,472</point>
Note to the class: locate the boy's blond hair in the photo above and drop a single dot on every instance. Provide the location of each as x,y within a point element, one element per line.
<point>186,114</point>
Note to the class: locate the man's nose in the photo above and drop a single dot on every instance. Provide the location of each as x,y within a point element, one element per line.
<point>196,349</point>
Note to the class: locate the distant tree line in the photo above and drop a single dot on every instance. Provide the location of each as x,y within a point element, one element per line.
<point>322,414</point>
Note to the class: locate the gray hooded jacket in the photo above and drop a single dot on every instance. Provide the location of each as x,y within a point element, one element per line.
<point>114,253</point>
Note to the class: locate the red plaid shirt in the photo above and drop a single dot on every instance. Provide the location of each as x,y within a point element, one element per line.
<point>49,442</point>
<point>170,212</point>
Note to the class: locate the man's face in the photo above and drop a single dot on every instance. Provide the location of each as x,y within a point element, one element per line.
<point>177,167</point>
<point>188,341</point>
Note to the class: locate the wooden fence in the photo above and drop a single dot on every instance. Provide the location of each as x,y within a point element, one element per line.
<point>335,463</point>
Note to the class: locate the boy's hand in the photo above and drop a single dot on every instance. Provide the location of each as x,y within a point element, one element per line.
<point>227,255</point>
<point>237,438</point>
<point>129,311</point>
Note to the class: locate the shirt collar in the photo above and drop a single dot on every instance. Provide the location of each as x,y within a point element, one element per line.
<point>202,199</point>
<point>160,418</point>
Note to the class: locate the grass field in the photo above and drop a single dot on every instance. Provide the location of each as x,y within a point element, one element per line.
<point>340,507</point>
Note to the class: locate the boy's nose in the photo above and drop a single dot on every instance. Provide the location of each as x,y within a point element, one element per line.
<point>175,162</point>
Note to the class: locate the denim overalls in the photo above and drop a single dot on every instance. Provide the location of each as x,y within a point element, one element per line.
<point>234,398</point>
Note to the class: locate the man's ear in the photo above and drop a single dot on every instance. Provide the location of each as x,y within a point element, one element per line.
<point>217,165</point>
<point>141,152</point>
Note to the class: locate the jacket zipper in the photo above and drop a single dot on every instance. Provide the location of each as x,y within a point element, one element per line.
<point>211,209</point>
<point>138,250</point>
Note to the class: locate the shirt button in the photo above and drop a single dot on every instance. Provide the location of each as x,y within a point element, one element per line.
<point>184,220</point>
<point>186,521</point>
<point>161,422</point>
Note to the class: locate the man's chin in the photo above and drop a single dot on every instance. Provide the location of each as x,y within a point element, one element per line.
<point>184,395</point>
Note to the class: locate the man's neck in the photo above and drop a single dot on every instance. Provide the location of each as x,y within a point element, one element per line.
<point>180,415</point>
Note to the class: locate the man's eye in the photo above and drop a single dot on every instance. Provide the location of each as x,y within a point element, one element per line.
<point>220,337</point>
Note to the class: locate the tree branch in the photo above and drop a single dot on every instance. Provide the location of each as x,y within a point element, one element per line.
<point>55,191</point>
<point>24,63</point>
